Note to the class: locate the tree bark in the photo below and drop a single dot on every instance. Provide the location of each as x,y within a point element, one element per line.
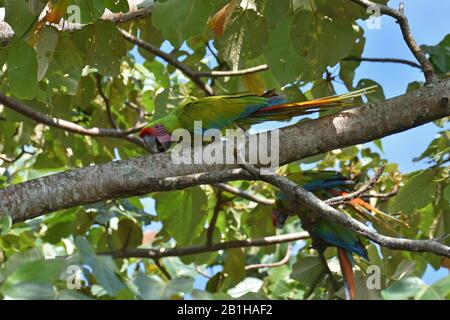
<point>151,173</point>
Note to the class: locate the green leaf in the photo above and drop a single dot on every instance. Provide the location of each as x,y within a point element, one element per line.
<point>258,222</point>
<point>234,265</point>
<point>281,56</point>
<point>404,289</point>
<point>5,224</point>
<point>22,71</point>
<point>440,55</point>
<point>103,267</point>
<point>246,286</point>
<point>117,5</point>
<point>415,194</point>
<point>244,39</point>
<point>183,213</point>
<point>154,288</point>
<point>321,41</point>
<point>19,17</point>
<point>179,20</point>
<point>103,45</point>
<point>45,49</point>
<point>307,270</point>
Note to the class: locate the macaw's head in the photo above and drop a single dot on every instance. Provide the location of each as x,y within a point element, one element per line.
<point>156,138</point>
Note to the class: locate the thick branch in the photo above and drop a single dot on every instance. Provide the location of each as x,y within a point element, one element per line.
<point>179,252</point>
<point>407,36</point>
<point>147,174</point>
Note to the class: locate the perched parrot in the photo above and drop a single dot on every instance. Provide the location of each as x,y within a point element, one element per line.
<point>326,184</point>
<point>241,110</point>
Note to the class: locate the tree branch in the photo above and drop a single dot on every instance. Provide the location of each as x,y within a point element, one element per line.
<point>142,175</point>
<point>243,194</point>
<point>12,160</point>
<point>402,20</point>
<point>98,79</point>
<point>283,261</point>
<point>6,32</point>
<point>169,59</point>
<point>29,112</point>
<point>356,194</point>
<point>212,223</point>
<point>232,73</point>
<point>386,60</point>
<point>187,251</point>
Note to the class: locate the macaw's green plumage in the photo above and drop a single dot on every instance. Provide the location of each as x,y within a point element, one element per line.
<point>326,232</point>
<point>242,110</point>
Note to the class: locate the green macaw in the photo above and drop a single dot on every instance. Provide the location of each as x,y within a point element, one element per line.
<point>241,110</point>
<point>327,184</point>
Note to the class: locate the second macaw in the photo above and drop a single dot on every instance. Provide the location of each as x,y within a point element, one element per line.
<point>241,110</point>
<point>329,234</point>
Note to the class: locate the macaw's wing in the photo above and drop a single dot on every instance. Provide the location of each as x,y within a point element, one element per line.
<point>320,180</point>
<point>219,112</point>
<point>339,236</point>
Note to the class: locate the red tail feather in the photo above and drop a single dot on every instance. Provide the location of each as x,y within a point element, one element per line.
<point>347,272</point>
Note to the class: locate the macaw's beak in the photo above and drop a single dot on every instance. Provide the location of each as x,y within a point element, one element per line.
<point>157,144</point>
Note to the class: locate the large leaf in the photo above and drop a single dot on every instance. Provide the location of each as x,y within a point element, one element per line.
<point>181,19</point>
<point>415,194</point>
<point>22,70</point>
<point>103,267</point>
<point>183,213</point>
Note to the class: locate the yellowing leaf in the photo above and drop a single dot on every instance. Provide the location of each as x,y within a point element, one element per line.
<point>221,19</point>
<point>253,83</point>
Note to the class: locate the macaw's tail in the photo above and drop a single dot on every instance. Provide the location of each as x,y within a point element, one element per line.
<point>362,207</point>
<point>345,261</point>
<point>285,111</point>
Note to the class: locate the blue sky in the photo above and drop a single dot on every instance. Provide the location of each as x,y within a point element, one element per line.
<point>430,24</point>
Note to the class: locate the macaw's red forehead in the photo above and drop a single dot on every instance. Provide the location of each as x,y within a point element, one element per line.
<point>147,131</point>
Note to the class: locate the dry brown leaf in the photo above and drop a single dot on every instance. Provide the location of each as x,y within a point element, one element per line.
<point>254,83</point>
<point>221,19</point>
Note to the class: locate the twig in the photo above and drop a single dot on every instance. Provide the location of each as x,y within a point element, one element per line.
<point>325,211</point>
<point>12,160</point>
<point>197,268</point>
<point>351,196</point>
<point>169,59</point>
<point>212,223</point>
<point>191,74</point>
<point>162,269</point>
<point>426,65</point>
<point>186,251</point>
<point>283,261</point>
<point>382,196</point>
<point>243,194</point>
<point>386,60</point>
<point>232,73</point>
<point>98,79</point>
